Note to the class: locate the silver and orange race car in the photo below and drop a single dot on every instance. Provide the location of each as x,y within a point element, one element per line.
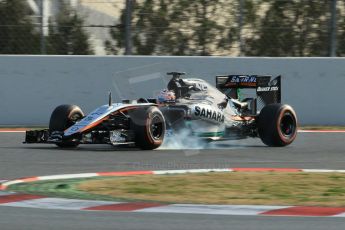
<point>240,106</point>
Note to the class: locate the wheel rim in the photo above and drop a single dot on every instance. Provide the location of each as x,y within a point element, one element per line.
<point>156,127</point>
<point>287,125</point>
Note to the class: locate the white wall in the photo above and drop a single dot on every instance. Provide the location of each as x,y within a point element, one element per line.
<point>32,86</point>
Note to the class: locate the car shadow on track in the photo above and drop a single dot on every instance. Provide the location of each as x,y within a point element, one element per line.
<point>102,148</point>
<point>123,149</point>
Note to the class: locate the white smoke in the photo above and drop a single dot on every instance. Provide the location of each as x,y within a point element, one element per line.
<point>191,144</point>
<point>183,139</point>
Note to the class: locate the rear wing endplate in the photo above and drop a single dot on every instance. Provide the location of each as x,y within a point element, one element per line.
<point>267,91</point>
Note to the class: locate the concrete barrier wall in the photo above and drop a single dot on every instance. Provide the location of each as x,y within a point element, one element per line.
<point>32,86</point>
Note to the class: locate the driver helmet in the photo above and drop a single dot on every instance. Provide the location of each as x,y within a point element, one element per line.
<point>166,96</point>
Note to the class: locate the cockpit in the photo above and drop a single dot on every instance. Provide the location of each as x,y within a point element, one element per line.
<point>193,89</point>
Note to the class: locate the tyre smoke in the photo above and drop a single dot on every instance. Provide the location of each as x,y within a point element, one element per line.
<point>183,139</point>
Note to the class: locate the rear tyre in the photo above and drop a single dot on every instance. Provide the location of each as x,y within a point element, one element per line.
<point>63,117</point>
<point>149,127</point>
<point>277,125</point>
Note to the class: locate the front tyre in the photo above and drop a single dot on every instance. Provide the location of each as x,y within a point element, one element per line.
<point>149,127</point>
<point>277,125</point>
<point>63,117</point>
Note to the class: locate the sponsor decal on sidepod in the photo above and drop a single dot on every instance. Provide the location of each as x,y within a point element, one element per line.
<point>208,113</point>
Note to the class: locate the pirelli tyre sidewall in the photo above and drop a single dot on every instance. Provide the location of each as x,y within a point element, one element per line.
<point>63,117</point>
<point>149,127</point>
<point>277,125</point>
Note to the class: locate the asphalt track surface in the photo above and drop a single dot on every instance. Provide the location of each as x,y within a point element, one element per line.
<point>309,151</point>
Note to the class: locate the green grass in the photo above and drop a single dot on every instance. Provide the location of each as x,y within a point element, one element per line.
<point>264,188</point>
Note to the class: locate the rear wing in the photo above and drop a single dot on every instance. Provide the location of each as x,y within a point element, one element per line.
<point>267,91</point>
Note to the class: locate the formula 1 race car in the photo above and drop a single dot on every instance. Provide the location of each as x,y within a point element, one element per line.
<point>205,111</point>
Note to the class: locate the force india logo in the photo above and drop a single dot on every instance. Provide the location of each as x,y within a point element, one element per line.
<point>209,114</point>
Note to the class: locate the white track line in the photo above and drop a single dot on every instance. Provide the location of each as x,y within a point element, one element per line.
<point>162,172</point>
<point>213,209</point>
<point>58,203</point>
<point>68,176</point>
